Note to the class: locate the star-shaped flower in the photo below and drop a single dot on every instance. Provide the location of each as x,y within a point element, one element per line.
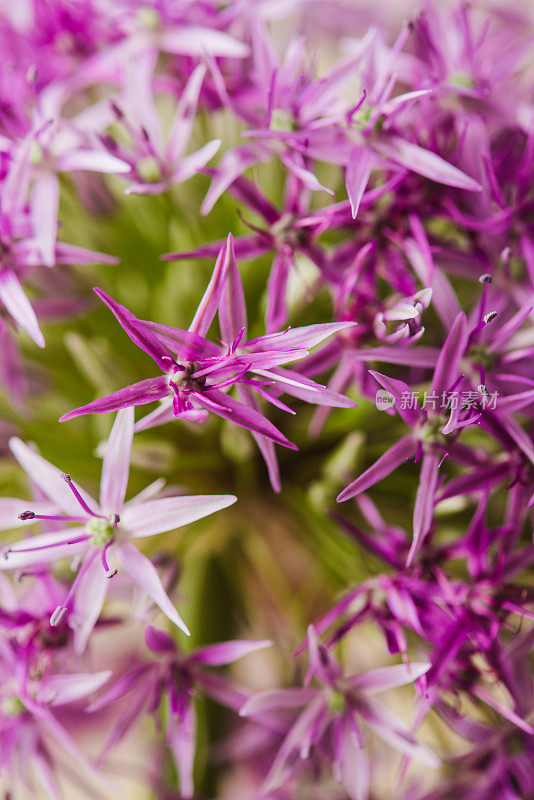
<point>102,534</point>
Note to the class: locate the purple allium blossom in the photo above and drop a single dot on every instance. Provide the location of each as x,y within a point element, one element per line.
<point>175,678</point>
<point>194,378</point>
<point>29,730</point>
<point>102,533</point>
<point>331,719</point>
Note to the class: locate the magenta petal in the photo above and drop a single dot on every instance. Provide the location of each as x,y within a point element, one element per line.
<point>232,310</point>
<point>137,333</point>
<point>410,410</point>
<point>452,352</point>
<point>395,456</point>
<point>60,689</point>
<point>357,173</point>
<point>265,445</point>
<point>137,394</point>
<point>227,407</point>
<point>29,558</point>
<point>425,163</point>
<point>276,314</point>
<point>92,160</point>
<point>274,700</point>
<point>424,502</point>
<point>304,388</point>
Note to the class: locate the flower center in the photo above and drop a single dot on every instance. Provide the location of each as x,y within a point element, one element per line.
<point>101,531</point>
<point>36,154</point>
<point>283,121</point>
<point>431,431</point>
<point>480,354</point>
<point>12,706</point>
<point>336,702</point>
<point>148,17</point>
<point>181,378</point>
<point>149,170</point>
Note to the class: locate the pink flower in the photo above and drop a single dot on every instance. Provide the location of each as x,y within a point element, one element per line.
<point>101,535</point>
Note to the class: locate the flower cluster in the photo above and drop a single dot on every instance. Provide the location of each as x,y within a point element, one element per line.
<point>379,179</point>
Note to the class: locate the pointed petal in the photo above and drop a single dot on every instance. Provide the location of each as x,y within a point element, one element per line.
<point>227,407</point>
<point>138,334</point>
<point>57,690</point>
<point>212,296</point>
<point>227,652</point>
<point>232,311</point>
<point>137,394</point>
<point>49,479</point>
<point>452,352</point>
<point>392,730</point>
<point>179,341</point>
<point>302,387</point>
<point>425,163</point>
<point>143,572</point>
<point>44,210</point>
<point>280,698</point>
<point>61,549</point>
<point>405,402</point>
<point>116,463</point>
<point>17,304</point>
<point>357,173</point>
<point>276,313</point>
<point>378,680</point>
<point>265,445</point>
<point>395,456</point>
<point>184,116</point>
<point>88,602</point>
<point>168,513</point>
<point>93,161</point>
<point>191,40</point>
<point>181,738</point>
<point>424,501</point>
<point>306,336</point>
<point>191,164</point>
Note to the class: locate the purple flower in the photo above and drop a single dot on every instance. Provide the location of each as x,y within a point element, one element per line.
<point>29,730</point>
<point>101,534</point>
<point>176,678</point>
<point>156,165</point>
<point>194,378</point>
<point>330,716</point>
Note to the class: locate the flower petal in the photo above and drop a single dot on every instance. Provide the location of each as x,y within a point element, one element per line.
<point>143,572</point>
<point>168,513</point>
<point>116,463</point>
<point>18,305</point>
<point>137,394</point>
<point>49,479</point>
